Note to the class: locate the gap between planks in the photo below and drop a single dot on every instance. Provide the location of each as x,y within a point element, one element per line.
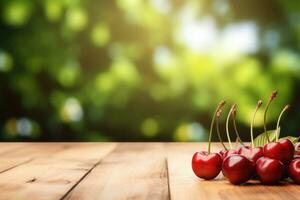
<point>17,154</point>
<point>51,176</point>
<point>145,175</point>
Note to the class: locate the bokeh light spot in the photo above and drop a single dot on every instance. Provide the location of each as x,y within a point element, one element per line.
<point>17,12</point>
<point>76,18</point>
<point>6,61</point>
<point>53,9</point>
<point>71,111</point>
<point>150,127</point>
<point>100,35</point>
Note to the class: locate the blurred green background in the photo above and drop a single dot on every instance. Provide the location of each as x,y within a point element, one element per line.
<point>144,70</point>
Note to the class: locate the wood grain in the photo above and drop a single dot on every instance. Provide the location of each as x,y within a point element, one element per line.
<point>119,171</point>
<point>51,176</point>
<point>15,154</point>
<point>131,171</point>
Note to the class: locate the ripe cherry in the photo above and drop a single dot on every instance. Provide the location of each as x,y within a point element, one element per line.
<point>238,169</point>
<point>268,170</point>
<point>208,165</point>
<point>252,153</point>
<point>294,170</point>
<point>224,152</point>
<point>205,165</point>
<point>229,152</point>
<point>297,148</point>
<point>283,150</point>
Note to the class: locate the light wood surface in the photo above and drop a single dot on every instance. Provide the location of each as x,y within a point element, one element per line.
<point>118,171</point>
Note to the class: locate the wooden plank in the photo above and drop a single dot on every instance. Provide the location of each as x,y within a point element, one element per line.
<point>52,176</point>
<point>9,146</point>
<point>185,185</point>
<point>131,171</point>
<point>7,162</point>
<point>15,154</point>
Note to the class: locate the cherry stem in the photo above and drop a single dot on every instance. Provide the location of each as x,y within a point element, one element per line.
<point>278,121</point>
<point>218,129</point>
<point>227,129</point>
<point>220,105</point>
<point>234,125</point>
<point>273,95</point>
<point>259,103</point>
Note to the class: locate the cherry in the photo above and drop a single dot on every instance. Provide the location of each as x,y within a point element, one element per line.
<point>297,148</point>
<point>208,165</point>
<point>294,170</point>
<point>251,153</point>
<point>268,170</point>
<point>225,152</point>
<point>230,152</point>
<point>205,165</point>
<point>283,150</point>
<point>238,169</point>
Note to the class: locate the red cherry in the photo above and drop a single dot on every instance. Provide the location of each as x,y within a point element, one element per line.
<point>251,153</point>
<point>225,153</point>
<point>222,152</point>
<point>294,170</point>
<point>238,169</point>
<point>282,150</point>
<point>206,166</point>
<point>297,148</point>
<point>268,170</point>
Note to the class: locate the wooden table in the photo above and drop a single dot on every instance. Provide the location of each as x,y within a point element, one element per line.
<point>117,171</point>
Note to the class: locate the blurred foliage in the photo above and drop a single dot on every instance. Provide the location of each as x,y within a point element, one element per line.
<point>144,70</point>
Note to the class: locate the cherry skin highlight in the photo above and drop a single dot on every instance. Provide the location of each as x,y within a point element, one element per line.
<point>294,170</point>
<point>206,166</point>
<point>238,169</point>
<point>251,153</point>
<point>283,150</point>
<point>268,170</point>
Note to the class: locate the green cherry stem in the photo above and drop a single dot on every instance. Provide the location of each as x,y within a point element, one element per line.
<point>218,128</point>
<point>234,125</point>
<point>259,103</point>
<point>227,125</point>
<point>278,121</point>
<point>220,105</point>
<point>273,95</point>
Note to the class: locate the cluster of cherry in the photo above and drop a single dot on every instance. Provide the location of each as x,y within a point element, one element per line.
<point>270,163</point>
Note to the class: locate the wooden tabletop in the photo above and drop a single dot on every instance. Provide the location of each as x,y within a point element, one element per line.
<point>117,171</point>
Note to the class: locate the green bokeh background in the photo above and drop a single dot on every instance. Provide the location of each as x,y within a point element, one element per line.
<point>144,70</point>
